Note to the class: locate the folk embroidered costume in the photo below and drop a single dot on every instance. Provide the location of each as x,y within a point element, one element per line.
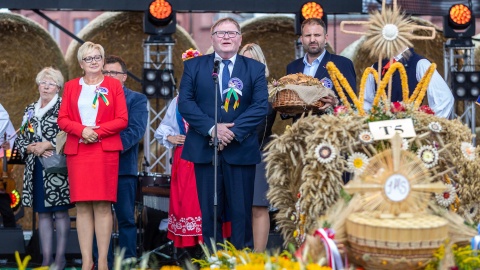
<point>184,216</point>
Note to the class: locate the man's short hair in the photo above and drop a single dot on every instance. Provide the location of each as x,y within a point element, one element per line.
<point>112,59</point>
<point>314,21</point>
<point>222,20</point>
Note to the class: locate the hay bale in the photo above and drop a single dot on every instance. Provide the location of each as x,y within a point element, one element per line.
<point>25,49</point>
<point>431,49</point>
<point>275,35</point>
<point>121,33</point>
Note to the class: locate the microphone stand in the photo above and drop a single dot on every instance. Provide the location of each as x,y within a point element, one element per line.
<point>215,161</point>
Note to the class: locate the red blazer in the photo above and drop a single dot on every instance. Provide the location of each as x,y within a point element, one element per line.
<point>111,119</point>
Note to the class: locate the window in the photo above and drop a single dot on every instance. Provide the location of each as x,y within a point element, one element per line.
<point>54,31</point>
<point>78,24</point>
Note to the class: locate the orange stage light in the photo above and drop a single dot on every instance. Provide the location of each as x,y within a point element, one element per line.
<point>160,9</point>
<point>461,15</point>
<point>312,10</point>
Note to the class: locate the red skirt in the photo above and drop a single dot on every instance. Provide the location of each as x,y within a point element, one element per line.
<point>93,174</point>
<point>184,215</point>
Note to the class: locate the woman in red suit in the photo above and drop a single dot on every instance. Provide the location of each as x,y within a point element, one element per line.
<point>92,113</point>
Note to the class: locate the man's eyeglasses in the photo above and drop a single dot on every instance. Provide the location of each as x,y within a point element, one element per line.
<point>49,84</point>
<point>221,34</point>
<point>89,59</point>
<point>112,73</point>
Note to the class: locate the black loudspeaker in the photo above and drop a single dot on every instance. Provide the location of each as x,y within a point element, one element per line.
<point>275,242</point>
<point>11,240</point>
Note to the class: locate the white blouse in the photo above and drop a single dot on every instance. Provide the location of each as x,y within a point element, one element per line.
<point>88,114</point>
<point>168,126</point>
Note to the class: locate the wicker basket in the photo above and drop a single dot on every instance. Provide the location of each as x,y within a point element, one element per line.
<point>394,243</point>
<point>287,101</point>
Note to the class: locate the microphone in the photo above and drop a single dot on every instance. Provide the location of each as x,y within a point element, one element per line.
<point>216,66</point>
<point>146,161</point>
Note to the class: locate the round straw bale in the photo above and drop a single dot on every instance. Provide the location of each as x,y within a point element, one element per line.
<point>25,49</point>
<point>121,34</point>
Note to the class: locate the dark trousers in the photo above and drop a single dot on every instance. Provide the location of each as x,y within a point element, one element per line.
<point>235,185</point>
<point>6,211</point>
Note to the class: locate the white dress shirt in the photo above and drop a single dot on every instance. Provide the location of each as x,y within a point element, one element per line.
<point>439,95</point>
<point>168,126</point>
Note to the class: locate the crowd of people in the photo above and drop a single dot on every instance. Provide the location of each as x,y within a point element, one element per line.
<point>213,195</point>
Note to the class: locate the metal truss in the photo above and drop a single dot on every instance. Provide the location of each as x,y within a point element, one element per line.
<point>157,55</point>
<point>459,55</point>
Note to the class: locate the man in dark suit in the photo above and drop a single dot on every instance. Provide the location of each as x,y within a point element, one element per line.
<point>241,106</point>
<point>116,68</point>
<point>314,40</point>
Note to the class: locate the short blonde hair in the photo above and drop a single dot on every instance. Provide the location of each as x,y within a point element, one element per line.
<point>51,73</point>
<point>223,20</point>
<point>257,54</point>
<point>86,48</point>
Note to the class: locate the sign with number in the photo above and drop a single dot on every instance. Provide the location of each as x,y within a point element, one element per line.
<point>397,187</point>
<point>383,130</point>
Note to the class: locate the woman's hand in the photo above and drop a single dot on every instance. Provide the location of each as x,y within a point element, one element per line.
<point>176,139</point>
<point>89,135</point>
<point>30,148</point>
<point>41,148</point>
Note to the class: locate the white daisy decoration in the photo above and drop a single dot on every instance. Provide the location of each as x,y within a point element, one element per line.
<point>325,153</point>
<point>405,144</point>
<point>435,127</point>
<point>429,155</point>
<point>468,150</point>
<point>447,197</point>
<point>357,162</point>
<point>366,137</point>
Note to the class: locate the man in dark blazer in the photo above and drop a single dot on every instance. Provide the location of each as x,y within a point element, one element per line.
<point>116,68</point>
<point>314,40</point>
<point>241,105</point>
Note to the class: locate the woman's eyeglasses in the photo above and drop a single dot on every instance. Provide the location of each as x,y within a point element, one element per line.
<point>89,59</point>
<point>49,84</point>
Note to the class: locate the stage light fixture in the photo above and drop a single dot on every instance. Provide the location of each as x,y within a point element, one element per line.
<point>460,22</point>
<point>465,85</point>
<point>160,18</point>
<point>309,10</point>
<point>158,83</point>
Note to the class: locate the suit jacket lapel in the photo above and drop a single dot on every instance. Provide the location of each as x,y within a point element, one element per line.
<point>322,70</point>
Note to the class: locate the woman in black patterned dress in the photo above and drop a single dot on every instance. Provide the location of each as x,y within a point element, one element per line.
<point>47,193</point>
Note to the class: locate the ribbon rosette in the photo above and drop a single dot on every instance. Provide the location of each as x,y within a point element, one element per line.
<point>26,124</point>
<point>100,92</point>
<point>235,86</point>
